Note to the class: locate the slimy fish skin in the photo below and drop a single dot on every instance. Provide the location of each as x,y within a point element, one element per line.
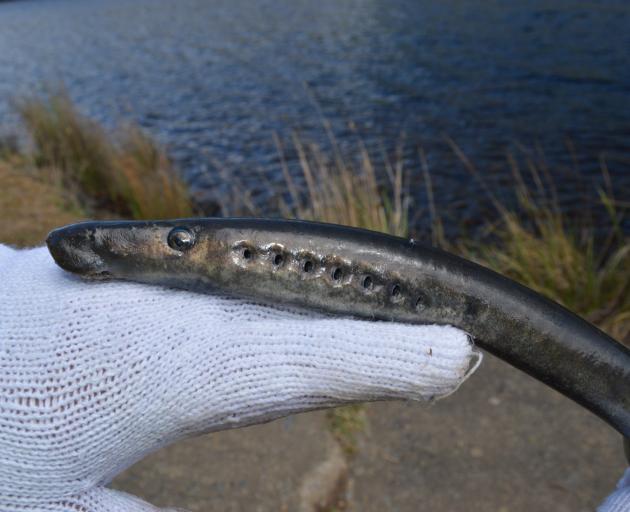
<point>363,274</point>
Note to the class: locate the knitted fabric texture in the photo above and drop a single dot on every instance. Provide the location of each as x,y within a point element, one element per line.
<point>619,501</point>
<point>95,375</point>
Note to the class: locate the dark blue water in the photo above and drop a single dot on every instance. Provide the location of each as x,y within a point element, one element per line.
<point>215,79</point>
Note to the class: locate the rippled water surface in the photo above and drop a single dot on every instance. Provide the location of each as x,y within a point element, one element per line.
<point>215,79</point>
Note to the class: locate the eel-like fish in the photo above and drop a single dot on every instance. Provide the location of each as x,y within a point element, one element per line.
<point>360,273</point>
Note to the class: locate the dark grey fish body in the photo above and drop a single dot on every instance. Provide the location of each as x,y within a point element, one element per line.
<point>364,274</point>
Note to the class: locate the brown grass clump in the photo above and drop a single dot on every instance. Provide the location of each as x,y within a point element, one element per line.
<point>130,176</point>
<point>65,140</point>
<point>146,182</point>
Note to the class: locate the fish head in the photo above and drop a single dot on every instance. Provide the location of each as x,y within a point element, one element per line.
<point>124,249</point>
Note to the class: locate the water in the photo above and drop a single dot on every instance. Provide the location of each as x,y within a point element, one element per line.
<point>215,79</point>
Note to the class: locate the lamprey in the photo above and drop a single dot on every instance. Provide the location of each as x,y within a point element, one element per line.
<point>363,274</point>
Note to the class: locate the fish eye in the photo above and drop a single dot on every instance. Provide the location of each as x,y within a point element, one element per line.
<point>181,239</point>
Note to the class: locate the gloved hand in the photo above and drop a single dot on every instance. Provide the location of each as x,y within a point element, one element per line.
<point>95,375</point>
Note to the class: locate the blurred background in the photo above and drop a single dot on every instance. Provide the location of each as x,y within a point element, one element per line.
<point>497,130</point>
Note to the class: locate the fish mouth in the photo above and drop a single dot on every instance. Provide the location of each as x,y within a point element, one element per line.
<point>100,275</point>
<point>72,248</point>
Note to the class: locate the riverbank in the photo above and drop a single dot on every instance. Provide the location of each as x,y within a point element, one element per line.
<point>73,169</point>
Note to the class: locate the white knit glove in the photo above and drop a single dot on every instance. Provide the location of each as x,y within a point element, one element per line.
<point>95,375</point>
<point>618,501</point>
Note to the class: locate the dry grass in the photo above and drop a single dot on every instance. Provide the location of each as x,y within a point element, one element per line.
<point>31,207</point>
<point>146,181</point>
<point>582,266</point>
<point>131,176</point>
<point>64,139</point>
<point>352,192</point>
<point>566,264</point>
<point>353,195</point>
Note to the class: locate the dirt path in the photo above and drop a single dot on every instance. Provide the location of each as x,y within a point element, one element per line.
<point>502,443</point>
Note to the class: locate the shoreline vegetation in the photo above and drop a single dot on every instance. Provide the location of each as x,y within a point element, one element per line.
<point>73,169</point>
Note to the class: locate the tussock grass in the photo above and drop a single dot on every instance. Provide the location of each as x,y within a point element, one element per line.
<point>570,260</point>
<point>332,188</point>
<point>129,175</point>
<point>146,181</point>
<point>63,139</point>
<point>566,264</point>
<point>343,192</point>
